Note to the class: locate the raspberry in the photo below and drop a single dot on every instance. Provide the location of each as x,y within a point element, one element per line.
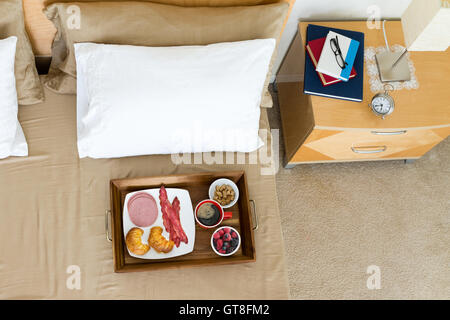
<point>216,236</point>
<point>234,235</point>
<point>220,232</point>
<point>219,243</point>
<point>226,237</point>
<point>222,251</point>
<point>226,230</point>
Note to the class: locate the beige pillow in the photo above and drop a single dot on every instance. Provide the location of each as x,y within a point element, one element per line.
<point>29,88</point>
<point>151,24</point>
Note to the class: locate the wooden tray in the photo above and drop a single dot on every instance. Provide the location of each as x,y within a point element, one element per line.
<point>198,186</point>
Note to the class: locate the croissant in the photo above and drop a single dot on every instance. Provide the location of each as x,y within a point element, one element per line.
<point>157,241</point>
<point>134,242</point>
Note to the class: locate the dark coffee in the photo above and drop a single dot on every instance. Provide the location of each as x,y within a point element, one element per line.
<point>208,214</point>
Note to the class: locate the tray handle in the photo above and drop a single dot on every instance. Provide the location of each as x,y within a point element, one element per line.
<point>254,213</point>
<point>107,225</point>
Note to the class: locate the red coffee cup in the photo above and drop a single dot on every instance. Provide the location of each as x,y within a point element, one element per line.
<point>223,215</point>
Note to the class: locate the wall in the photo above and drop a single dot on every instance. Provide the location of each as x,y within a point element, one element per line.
<point>309,10</point>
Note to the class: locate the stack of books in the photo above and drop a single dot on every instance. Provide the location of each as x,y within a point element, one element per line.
<point>334,67</point>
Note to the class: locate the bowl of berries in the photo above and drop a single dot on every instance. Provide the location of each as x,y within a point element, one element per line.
<point>225,241</point>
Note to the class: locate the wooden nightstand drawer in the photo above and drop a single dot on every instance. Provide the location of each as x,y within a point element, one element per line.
<point>349,145</point>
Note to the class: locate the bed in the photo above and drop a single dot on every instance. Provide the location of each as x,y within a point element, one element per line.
<point>53,218</point>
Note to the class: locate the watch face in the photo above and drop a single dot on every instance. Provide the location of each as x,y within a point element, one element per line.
<point>382,105</point>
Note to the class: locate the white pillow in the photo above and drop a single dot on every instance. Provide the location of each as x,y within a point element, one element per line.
<point>12,139</point>
<point>160,100</point>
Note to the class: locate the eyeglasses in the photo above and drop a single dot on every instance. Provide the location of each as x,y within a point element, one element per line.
<point>337,53</point>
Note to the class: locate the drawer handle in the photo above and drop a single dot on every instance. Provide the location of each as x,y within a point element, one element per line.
<point>391,133</point>
<point>362,151</point>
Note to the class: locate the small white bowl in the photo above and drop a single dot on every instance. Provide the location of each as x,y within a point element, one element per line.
<point>226,254</point>
<point>220,182</point>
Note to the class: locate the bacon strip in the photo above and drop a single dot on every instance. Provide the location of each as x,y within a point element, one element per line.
<point>171,217</point>
<point>166,221</point>
<point>177,207</point>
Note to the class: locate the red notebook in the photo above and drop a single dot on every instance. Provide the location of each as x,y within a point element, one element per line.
<point>314,48</point>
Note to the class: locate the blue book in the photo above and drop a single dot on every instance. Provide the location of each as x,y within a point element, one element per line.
<point>351,90</point>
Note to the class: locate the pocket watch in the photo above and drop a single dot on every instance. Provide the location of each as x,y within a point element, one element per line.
<point>382,104</point>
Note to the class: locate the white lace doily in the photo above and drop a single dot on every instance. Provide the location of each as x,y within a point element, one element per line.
<point>374,79</point>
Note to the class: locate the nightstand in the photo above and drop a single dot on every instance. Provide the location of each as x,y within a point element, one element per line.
<point>318,129</point>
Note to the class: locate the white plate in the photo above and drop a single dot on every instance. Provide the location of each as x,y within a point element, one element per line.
<point>186,219</point>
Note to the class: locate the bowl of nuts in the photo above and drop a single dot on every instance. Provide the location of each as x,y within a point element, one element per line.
<point>225,192</point>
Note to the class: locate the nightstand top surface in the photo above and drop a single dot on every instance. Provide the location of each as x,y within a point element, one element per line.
<point>425,107</point>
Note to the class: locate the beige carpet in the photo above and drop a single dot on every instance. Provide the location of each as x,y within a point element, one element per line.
<point>338,219</point>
